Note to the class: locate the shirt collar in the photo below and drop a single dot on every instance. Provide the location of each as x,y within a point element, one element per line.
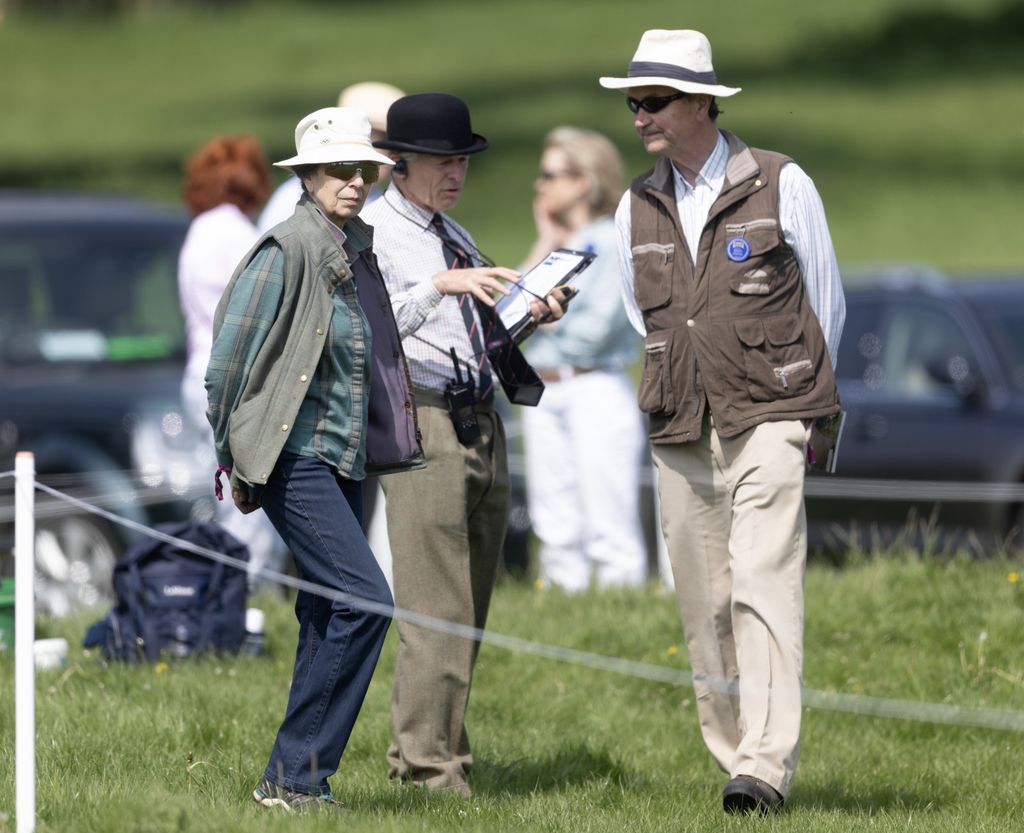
<point>712,174</point>
<point>407,208</point>
<point>354,237</point>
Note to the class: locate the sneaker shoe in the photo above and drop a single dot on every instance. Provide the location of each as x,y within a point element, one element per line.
<point>747,794</point>
<point>269,794</point>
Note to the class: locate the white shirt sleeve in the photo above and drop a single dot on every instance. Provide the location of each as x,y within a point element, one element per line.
<point>806,231</point>
<point>412,306</point>
<point>623,229</point>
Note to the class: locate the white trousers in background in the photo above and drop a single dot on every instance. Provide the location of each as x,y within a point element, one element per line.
<point>583,444</point>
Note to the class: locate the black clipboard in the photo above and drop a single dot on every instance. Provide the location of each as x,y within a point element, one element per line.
<point>557,269</point>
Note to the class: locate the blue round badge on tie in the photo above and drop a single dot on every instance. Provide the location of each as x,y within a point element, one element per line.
<point>737,249</point>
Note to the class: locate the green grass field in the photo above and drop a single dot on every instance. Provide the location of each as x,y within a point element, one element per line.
<point>905,112</point>
<point>561,747</point>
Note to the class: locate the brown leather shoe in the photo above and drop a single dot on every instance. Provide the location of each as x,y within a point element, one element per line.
<point>747,794</point>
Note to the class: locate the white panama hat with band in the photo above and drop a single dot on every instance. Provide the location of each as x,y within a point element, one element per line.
<point>676,58</point>
<point>334,134</point>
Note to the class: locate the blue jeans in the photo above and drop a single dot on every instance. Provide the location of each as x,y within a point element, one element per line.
<point>318,514</point>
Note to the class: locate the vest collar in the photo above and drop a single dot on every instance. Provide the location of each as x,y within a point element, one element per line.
<point>740,167</point>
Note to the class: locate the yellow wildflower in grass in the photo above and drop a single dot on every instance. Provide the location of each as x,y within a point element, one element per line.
<point>672,650</point>
<point>160,667</point>
<point>1013,577</point>
<point>538,584</point>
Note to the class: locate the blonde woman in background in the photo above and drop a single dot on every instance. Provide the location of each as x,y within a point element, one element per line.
<point>585,440</point>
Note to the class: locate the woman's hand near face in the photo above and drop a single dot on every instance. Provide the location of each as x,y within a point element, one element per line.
<point>551,232</point>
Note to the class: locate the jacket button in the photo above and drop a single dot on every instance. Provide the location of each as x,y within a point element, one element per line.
<point>757,183</point>
<point>319,331</point>
<point>395,355</point>
<point>303,377</point>
<point>284,427</point>
<point>690,322</point>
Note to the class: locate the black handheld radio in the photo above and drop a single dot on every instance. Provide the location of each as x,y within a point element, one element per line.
<point>458,395</point>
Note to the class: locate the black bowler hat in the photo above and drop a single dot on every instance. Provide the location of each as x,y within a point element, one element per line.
<point>434,123</point>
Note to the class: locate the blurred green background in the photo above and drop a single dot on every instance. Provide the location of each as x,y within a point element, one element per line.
<point>908,114</point>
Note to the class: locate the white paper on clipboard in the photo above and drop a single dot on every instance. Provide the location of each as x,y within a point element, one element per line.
<point>557,268</point>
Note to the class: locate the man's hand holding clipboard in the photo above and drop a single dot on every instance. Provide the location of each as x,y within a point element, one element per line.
<point>552,276</point>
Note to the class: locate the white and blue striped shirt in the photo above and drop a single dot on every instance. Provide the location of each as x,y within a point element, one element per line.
<point>804,229</point>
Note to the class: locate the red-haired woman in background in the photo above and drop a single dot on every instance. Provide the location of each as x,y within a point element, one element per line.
<point>227,182</point>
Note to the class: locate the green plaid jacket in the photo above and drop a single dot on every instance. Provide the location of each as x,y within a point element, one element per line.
<point>270,332</point>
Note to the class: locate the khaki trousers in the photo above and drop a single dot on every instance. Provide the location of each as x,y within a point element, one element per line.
<point>446,525</point>
<point>734,524</point>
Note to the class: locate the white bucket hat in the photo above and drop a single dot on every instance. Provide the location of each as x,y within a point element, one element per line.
<point>334,134</point>
<point>676,58</point>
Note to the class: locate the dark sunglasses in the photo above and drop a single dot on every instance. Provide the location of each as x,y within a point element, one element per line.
<point>370,171</point>
<point>653,103</point>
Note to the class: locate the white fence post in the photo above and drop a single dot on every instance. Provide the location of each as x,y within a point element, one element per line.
<point>24,639</point>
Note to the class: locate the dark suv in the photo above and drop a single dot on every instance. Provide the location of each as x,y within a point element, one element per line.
<point>91,358</point>
<point>931,372</point>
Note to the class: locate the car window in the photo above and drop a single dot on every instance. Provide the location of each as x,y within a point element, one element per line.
<point>860,345</point>
<point>97,295</point>
<point>1003,320</point>
<point>924,351</point>
<point>903,348</point>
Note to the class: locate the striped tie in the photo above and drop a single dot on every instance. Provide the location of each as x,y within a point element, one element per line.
<point>456,258</point>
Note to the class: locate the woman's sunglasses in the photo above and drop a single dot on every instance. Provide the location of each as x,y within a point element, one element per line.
<point>370,171</point>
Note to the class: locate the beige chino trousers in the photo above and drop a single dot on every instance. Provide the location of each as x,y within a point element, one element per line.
<point>734,525</point>
<point>446,525</point>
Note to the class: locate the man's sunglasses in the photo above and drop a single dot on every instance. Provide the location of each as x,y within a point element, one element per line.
<point>370,171</point>
<point>653,103</point>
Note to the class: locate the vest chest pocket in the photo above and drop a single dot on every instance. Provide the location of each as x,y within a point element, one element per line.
<point>755,272</point>
<point>655,393</point>
<point>775,357</point>
<point>652,274</point>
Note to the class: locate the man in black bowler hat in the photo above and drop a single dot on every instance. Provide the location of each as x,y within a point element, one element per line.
<point>446,523</point>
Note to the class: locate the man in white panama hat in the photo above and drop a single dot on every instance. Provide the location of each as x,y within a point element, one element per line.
<point>730,275</point>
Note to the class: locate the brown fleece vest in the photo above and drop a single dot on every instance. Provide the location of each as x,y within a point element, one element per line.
<point>734,332</point>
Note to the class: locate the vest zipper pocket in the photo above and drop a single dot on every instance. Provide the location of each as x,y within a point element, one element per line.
<point>666,250</point>
<point>783,372</point>
<point>742,228</point>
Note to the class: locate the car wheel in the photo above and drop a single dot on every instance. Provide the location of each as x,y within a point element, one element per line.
<point>75,558</point>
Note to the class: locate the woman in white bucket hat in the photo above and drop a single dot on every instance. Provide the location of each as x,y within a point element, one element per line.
<point>302,407</point>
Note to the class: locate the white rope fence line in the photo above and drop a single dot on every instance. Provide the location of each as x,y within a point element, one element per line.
<point>938,713</point>
<point>831,486</point>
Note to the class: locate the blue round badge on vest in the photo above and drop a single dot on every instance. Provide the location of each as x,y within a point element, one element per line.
<point>737,249</point>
